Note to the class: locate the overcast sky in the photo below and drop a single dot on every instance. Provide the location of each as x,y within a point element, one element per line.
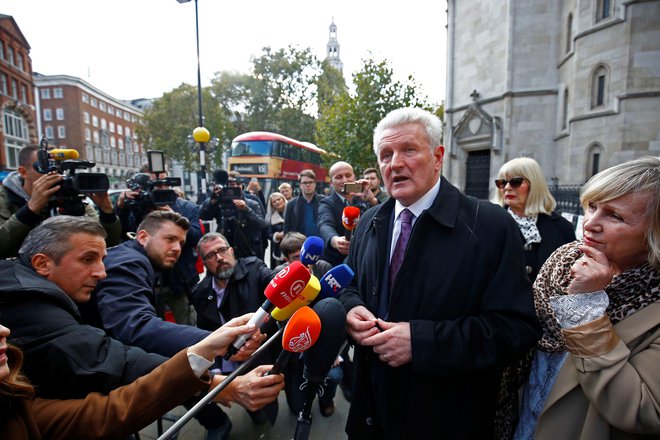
<point>143,48</point>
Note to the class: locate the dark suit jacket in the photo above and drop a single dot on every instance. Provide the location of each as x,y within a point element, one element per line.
<point>294,215</point>
<point>463,289</point>
<point>330,225</point>
<point>555,231</point>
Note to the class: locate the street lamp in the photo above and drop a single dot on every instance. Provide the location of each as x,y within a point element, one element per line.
<point>202,143</point>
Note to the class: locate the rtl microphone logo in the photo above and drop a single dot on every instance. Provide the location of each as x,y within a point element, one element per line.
<point>332,282</point>
<point>301,342</point>
<point>297,287</point>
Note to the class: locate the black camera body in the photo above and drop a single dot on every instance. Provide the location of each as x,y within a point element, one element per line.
<point>70,198</point>
<point>151,196</point>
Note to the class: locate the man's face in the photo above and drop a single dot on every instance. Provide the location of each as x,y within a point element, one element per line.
<point>341,174</point>
<point>29,174</point>
<point>286,191</point>
<point>307,186</point>
<point>78,270</point>
<point>218,258</point>
<point>407,164</point>
<point>374,182</point>
<point>163,247</point>
<point>293,256</point>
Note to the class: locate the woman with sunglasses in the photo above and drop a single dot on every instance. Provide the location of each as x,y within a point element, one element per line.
<point>523,192</point>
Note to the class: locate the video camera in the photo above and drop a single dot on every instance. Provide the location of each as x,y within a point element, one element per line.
<point>226,193</point>
<point>150,195</point>
<point>70,198</point>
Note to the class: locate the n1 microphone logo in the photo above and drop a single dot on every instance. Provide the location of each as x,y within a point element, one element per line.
<point>332,282</point>
<point>304,251</point>
<point>301,342</point>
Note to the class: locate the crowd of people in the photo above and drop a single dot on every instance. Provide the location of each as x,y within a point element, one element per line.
<point>465,318</point>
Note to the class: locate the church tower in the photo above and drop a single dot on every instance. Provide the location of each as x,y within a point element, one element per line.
<point>332,54</point>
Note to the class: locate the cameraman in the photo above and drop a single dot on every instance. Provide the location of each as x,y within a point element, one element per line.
<point>24,198</point>
<point>239,218</point>
<point>175,285</point>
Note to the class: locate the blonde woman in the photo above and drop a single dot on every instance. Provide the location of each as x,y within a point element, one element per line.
<point>275,220</point>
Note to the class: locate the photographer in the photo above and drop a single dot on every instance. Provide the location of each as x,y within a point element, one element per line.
<point>175,284</point>
<point>240,218</point>
<point>24,204</point>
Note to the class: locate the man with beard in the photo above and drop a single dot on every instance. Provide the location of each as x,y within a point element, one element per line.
<point>232,287</point>
<point>125,303</point>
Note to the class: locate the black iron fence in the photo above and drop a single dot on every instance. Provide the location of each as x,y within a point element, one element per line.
<point>568,198</point>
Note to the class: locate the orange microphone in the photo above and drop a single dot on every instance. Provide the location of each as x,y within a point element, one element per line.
<point>301,332</point>
<point>349,218</point>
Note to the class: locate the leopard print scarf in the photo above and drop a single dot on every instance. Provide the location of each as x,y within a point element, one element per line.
<point>628,292</point>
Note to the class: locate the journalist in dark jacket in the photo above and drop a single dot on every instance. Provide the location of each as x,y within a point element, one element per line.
<point>46,323</point>
<point>430,348</point>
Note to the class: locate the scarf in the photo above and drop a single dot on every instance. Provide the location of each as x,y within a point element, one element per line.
<point>527,226</point>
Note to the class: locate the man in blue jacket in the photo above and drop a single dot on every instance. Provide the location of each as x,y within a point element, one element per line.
<point>440,302</point>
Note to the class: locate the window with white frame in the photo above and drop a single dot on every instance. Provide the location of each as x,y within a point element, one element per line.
<point>61,131</point>
<point>603,9</point>
<point>102,106</point>
<point>86,117</point>
<point>14,89</point>
<point>94,103</point>
<point>48,114</point>
<point>10,55</point>
<point>19,62</point>
<point>49,132</point>
<point>120,130</point>
<point>45,93</point>
<point>120,144</point>
<point>104,124</point>
<point>85,98</point>
<point>113,142</point>
<point>58,93</point>
<point>3,84</point>
<point>88,134</point>
<point>2,50</point>
<point>16,136</point>
<point>95,121</point>
<point>111,110</point>
<point>59,114</point>
<point>97,137</point>
<point>24,95</point>
<point>119,113</point>
<point>111,127</point>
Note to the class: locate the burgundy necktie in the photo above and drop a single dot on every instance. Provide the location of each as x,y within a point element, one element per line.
<point>401,242</point>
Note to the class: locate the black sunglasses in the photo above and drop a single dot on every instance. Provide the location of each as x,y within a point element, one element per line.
<point>515,182</point>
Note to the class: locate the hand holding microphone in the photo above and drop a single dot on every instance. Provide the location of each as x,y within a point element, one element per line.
<point>349,219</point>
<point>280,292</point>
<point>300,333</point>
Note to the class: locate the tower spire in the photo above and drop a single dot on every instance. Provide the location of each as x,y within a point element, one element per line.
<point>332,52</point>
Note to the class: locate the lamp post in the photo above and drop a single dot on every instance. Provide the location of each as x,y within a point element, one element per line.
<point>203,134</point>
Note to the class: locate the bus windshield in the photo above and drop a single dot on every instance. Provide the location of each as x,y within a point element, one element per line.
<point>251,148</point>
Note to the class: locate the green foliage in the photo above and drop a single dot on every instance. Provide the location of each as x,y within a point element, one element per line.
<point>345,126</point>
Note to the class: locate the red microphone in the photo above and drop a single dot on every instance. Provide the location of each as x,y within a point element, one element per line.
<point>349,218</point>
<point>300,333</point>
<point>280,292</point>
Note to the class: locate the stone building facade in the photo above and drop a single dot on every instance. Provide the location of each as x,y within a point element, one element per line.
<point>575,84</point>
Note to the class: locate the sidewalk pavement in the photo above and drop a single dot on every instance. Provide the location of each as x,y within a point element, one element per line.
<point>323,428</point>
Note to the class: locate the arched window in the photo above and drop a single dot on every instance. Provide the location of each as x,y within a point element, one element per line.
<point>599,87</point>
<point>594,159</point>
<point>564,111</point>
<point>603,9</point>
<point>569,33</point>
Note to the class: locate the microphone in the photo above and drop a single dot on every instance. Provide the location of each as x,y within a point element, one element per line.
<point>63,154</point>
<point>280,292</point>
<point>309,294</point>
<point>221,177</point>
<point>319,358</point>
<point>335,280</point>
<point>349,219</point>
<point>300,333</point>
<point>311,250</point>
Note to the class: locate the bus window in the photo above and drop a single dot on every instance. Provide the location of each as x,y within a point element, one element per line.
<point>251,148</point>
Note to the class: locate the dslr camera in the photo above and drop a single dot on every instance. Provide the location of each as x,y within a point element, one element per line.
<point>70,198</point>
<point>151,194</point>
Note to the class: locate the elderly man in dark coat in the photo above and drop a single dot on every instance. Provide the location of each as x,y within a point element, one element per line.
<point>431,337</point>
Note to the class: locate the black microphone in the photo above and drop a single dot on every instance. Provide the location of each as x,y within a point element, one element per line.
<point>319,358</point>
<point>221,177</point>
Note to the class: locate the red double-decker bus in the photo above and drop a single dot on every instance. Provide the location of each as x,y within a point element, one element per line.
<point>273,159</point>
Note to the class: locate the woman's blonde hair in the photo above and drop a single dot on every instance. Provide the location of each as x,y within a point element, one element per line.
<point>636,176</point>
<point>539,199</point>
<point>271,214</point>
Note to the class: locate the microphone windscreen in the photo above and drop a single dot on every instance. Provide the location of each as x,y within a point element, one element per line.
<point>309,294</point>
<point>302,331</point>
<point>350,217</point>
<point>321,356</point>
<point>220,177</point>
<point>287,284</point>
<point>63,154</point>
<point>311,250</point>
<point>335,280</point>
